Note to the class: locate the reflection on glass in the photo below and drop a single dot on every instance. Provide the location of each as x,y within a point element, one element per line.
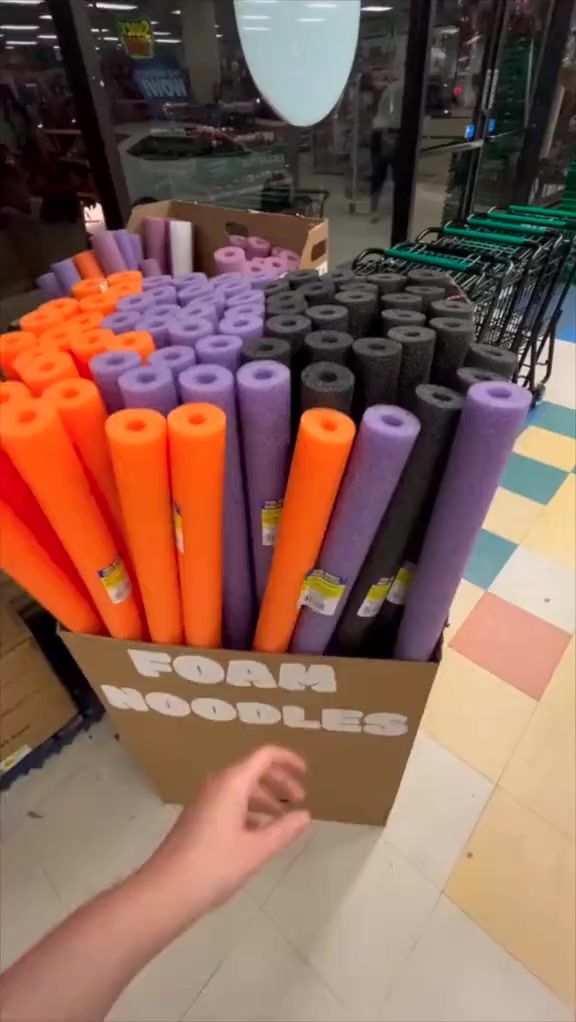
<point>442,178</point>
<point>559,146</point>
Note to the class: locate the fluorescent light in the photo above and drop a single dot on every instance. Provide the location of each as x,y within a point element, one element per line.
<point>21,3</point>
<point>47,36</point>
<point>45,17</point>
<point>175,12</point>
<point>171,42</point>
<point>160,33</point>
<point>20,42</point>
<point>376,9</point>
<point>102,6</point>
<point>19,28</point>
<point>110,39</point>
<point>255,17</point>
<point>219,35</point>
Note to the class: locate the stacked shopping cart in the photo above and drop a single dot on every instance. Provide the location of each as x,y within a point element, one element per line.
<point>515,264</point>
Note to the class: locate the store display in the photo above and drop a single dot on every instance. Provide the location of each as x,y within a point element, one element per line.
<point>121,322</point>
<point>403,300</point>
<point>177,357</point>
<point>362,308</point>
<point>189,332</point>
<point>297,278</point>
<point>150,386</point>
<point>428,293</point>
<point>88,266</point>
<point>230,259</point>
<point>107,252</point>
<point>328,346</point>
<point>38,369</point>
<point>453,340</point>
<point>385,439</point>
<point>497,360</point>
<point>417,343</point>
<point>460,308</point>
<point>287,303</point>
<point>13,345</point>
<point>124,242</point>
<point>319,292</point>
<point>150,267</point>
<point>257,248</point>
<point>425,276</point>
<point>220,350</point>
<point>106,369</point>
<point>329,317</point>
<point>391,318</point>
<point>491,418</point>
<point>327,385</point>
<point>86,345</point>
<point>388,283</point>
<point>155,241</point>
<point>376,362</point>
<point>467,377</point>
<point>267,348</point>
<point>322,448</point>
<point>181,243</point>
<point>290,328</point>
<point>135,340</point>
<point>245,325</point>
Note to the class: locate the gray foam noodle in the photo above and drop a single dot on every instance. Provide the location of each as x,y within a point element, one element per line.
<point>376,362</point>
<point>328,346</point>
<point>329,317</point>
<point>362,306</point>
<point>428,276</point>
<point>428,293</point>
<point>319,292</point>
<point>497,360</point>
<point>285,303</point>
<point>402,300</point>
<point>468,376</point>
<point>267,349</point>
<point>417,344</point>
<point>453,340</point>
<point>461,308</point>
<point>327,385</point>
<point>438,410</point>
<point>297,278</point>
<point>391,318</point>
<point>291,328</point>
<point>388,283</point>
<point>279,287</point>
<point>341,279</point>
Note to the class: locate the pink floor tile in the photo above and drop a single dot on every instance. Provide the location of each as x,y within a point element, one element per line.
<point>511,643</point>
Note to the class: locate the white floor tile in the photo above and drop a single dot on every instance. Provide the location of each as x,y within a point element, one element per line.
<point>437,807</point>
<point>169,986</point>
<point>540,586</point>
<point>264,978</point>
<point>561,388</point>
<point>354,907</point>
<point>29,905</point>
<point>456,973</point>
<point>264,883</point>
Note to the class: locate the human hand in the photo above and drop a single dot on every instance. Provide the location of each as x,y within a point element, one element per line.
<point>238,822</point>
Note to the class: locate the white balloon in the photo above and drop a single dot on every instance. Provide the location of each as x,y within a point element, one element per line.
<point>299,52</point>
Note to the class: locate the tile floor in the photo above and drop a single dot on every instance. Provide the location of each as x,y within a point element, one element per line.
<point>462,909</point>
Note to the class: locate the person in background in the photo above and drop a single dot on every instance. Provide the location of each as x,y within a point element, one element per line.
<point>384,137</point>
<point>237,824</point>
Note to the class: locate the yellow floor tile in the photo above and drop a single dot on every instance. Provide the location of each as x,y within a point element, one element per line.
<point>560,692</point>
<point>510,515</point>
<point>516,880</point>
<point>476,715</point>
<point>554,532</point>
<point>551,448</point>
<point>542,768</point>
<point>466,598</point>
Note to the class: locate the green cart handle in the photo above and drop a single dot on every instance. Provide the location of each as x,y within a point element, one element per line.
<point>495,223</point>
<point>541,211</point>
<point>494,237</point>
<point>544,223</point>
<point>446,262</point>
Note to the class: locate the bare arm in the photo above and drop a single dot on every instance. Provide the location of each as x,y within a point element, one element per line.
<point>77,972</point>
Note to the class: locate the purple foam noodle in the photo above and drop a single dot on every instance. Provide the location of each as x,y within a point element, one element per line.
<point>190,332</point>
<point>155,235</point>
<point>200,309</point>
<point>243,298</point>
<point>237,241</point>
<point>489,424</point>
<point>49,286</point>
<point>107,369</point>
<point>122,322</point>
<point>262,279</point>
<point>124,242</point>
<point>216,385</point>
<point>220,350</point>
<point>193,293</point>
<point>177,358</point>
<point>66,274</point>
<point>264,404</point>
<point>226,278</point>
<point>149,386</point>
<point>150,268</point>
<point>162,295</point>
<point>245,325</point>
<point>229,260</point>
<point>157,323</point>
<point>257,248</point>
<point>252,308</point>
<point>107,252</point>
<point>291,258</point>
<point>156,280</point>
<point>385,439</point>
<point>180,280</point>
<point>136,242</point>
<point>276,265</point>
<point>140,302</point>
<point>234,287</point>
<point>255,265</point>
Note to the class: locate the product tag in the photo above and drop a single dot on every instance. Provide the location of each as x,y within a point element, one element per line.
<point>321,592</point>
<point>401,584</point>
<point>270,513</point>
<point>115,580</point>
<point>178,530</point>
<point>374,598</point>
<point>14,758</point>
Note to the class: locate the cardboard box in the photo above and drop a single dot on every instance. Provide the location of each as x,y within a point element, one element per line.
<point>33,703</point>
<point>183,713</point>
<point>214,224</point>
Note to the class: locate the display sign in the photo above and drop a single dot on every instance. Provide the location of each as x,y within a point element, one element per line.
<point>161,79</point>
<point>136,36</point>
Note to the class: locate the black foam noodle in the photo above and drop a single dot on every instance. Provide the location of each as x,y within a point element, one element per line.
<point>327,385</point>
<point>453,339</point>
<point>376,362</point>
<point>417,343</point>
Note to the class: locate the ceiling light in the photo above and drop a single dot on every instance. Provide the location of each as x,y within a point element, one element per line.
<point>102,6</point>
<point>219,35</point>
<point>171,42</point>
<point>256,17</point>
<point>20,28</point>
<point>176,12</point>
<point>45,17</point>
<point>110,39</point>
<point>20,42</point>
<point>376,9</point>
<point>47,36</point>
<point>21,3</point>
<point>160,33</point>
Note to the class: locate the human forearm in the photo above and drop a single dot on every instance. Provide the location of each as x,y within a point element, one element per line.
<point>79,971</point>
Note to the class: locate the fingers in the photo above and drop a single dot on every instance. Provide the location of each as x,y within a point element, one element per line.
<point>268,757</point>
<point>284,785</point>
<point>267,841</point>
<point>264,801</point>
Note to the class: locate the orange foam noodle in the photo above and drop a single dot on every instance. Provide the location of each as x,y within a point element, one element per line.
<point>138,446</point>
<point>58,336</point>
<point>52,313</point>
<point>86,344</point>
<point>12,345</point>
<point>322,448</point>
<point>136,340</point>
<point>85,288</point>
<point>27,562</point>
<point>40,449</point>
<point>196,442</point>
<point>87,321</point>
<point>132,278</point>
<point>104,304</point>
<point>38,369</point>
<point>124,290</point>
<point>12,391</point>
<point>87,265</point>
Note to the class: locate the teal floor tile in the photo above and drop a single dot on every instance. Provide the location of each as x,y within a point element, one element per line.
<point>488,557</point>
<point>556,418</point>
<point>532,479</point>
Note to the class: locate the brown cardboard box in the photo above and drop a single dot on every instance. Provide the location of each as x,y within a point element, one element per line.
<point>214,224</point>
<point>33,703</point>
<point>183,713</point>
<point>13,631</point>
